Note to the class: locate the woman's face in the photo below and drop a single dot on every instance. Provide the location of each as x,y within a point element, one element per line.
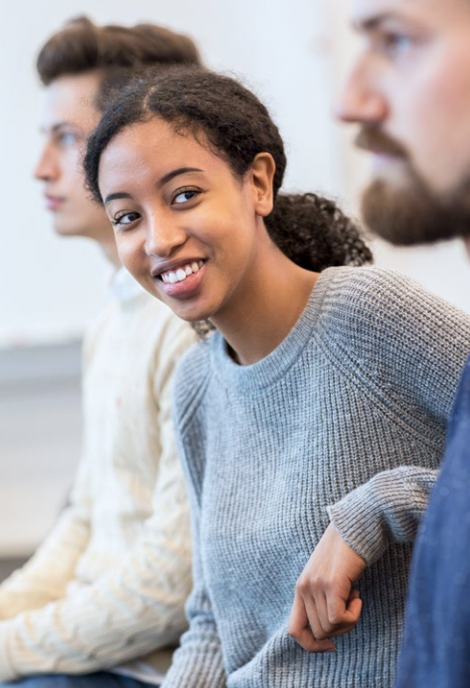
<point>186,227</point>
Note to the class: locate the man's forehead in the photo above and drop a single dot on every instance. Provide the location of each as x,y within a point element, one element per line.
<point>367,13</point>
<point>70,101</point>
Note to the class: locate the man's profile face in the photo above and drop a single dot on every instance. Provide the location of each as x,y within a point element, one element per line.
<point>68,119</point>
<point>409,91</point>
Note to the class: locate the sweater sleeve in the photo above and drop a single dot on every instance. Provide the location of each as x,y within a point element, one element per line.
<point>198,663</point>
<point>413,375</point>
<point>133,609</point>
<point>386,509</point>
<point>45,576</point>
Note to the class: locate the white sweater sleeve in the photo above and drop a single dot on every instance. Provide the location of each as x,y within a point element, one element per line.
<point>45,576</point>
<point>133,609</point>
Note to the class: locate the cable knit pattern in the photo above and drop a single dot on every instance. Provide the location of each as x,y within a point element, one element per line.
<point>109,583</point>
<point>348,414</point>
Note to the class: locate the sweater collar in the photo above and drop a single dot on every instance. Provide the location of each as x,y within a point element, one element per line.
<point>271,368</point>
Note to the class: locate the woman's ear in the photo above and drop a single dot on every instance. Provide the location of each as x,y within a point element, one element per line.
<point>262,175</point>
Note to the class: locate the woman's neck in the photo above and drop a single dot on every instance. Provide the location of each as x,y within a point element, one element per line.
<point>273,300</point>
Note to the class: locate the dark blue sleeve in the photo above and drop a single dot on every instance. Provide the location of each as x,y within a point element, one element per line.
<point>436,646</point>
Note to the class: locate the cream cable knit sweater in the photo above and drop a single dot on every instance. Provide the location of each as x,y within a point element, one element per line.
<point>109,583</point>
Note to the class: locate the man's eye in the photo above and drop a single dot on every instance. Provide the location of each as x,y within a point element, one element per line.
<point>395,44</point>
<point>185,195</point>
<point>67,138</point>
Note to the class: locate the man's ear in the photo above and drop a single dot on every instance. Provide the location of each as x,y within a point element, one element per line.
<point>262,175</point>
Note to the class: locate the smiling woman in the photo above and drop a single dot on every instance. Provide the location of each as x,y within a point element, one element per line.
<point>170,215</point>
<point>179,192</point>
<point>322,380</point>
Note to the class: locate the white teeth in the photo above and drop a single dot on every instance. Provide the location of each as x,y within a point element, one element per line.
<point>172,276</point>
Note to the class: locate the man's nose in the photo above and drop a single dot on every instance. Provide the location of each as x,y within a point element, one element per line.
<point>46,168</point>
<point>360,100</point>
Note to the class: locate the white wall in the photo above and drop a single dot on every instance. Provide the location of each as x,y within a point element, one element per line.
<point>51,287</point>
<point>294,56</point>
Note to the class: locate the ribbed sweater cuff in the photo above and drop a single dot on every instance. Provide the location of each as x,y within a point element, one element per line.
<point>375,514</point>
<point>196,670</point>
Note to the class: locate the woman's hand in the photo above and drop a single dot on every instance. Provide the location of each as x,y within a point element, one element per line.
<point>325,602</point>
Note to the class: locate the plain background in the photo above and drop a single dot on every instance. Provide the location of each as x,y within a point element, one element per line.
<point>294,55</point>
<point>51,287</point>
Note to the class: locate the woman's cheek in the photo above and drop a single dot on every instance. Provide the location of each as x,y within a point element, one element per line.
<point>131,255</point>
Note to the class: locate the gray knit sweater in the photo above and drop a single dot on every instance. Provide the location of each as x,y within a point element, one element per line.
<point>348,415</point>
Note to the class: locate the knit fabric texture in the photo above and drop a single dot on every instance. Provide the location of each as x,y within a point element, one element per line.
<point>109,583</point>
<point>344,419</point>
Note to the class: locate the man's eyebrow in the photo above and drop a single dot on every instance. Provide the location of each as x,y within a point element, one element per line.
<point>55,127</point>
<point>175,173</point>
<point>370,23</point>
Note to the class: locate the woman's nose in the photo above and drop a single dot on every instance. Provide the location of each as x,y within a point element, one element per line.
<point>162,239</point>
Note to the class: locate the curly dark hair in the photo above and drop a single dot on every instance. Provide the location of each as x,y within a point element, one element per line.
<point>221,113</point>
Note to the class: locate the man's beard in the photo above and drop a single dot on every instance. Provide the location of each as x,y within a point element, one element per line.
<point>411,213</point>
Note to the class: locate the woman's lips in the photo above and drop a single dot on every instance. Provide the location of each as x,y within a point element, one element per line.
<point>174,284</point>
<point>182,272</point>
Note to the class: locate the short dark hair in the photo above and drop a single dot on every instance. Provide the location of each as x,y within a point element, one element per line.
<point>117,52</point>
<point>310,229</point>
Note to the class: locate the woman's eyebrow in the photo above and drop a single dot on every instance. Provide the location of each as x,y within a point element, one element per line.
<point>174,173</point>
<point>161,182</point>
<point>117,195</point>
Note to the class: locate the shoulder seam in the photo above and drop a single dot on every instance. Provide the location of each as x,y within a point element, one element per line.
<point>342,361</point>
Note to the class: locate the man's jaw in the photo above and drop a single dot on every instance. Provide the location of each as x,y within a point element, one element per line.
<point>411,213</point>
<point>372,139</point>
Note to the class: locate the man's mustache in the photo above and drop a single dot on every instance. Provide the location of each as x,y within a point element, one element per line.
<point>374,140</point>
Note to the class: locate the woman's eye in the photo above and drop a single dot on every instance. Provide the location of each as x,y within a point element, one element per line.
<point>185,195</point>
<point>124,219</point>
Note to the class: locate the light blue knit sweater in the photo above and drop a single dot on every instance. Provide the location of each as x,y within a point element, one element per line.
<point>348,412</point>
